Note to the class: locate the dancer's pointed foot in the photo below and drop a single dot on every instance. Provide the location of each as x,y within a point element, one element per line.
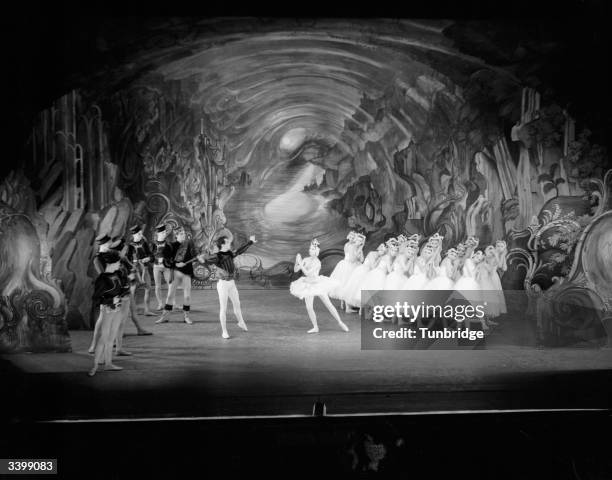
<point>243,326</point>
<point>159,307</point>
<point>343,326</point>
<point>91,350</point>
<point>144,332</point>
<point>92,372</point>
<point>149,313</point>
<point>113,368</point>
<point>314,330</point>
<point>163,318</point>
<point>225,335</point>
<point>124,353</point>
<point>188,320</point>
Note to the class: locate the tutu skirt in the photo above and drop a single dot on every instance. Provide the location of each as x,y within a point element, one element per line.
<point>441,282</point>
<point>351,293</point>
<point>341,274</point>
<point>470,289</point>
<point>375,280</point>
<point>395,281</point>
<point>312,286</point>
<point>415,281</point>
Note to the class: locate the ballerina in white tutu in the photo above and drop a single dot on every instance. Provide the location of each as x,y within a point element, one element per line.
<point>352,292</point>
<point>345,267</point>
<point>461,249</point>
<point>400,268</point>
<point>435,241</point>
<point>487,271</point>
<point>375,281</point>
<point>445,273</point>
<point>314,285</point>
<point>469,287</point>
<point>421,266</point>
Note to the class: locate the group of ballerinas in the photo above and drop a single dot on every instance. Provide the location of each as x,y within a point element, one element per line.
<point>404,263</point>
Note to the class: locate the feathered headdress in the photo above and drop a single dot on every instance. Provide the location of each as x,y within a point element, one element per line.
<point>402,238</point>
<point>451,250</point>
<point>392,241</point>
<point>436,237</point>
<point>314,243</point>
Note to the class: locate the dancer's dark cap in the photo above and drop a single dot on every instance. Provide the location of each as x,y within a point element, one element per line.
<point>110,257</point>
<point>135,229</point>
<point>118,243</point>
<point>102,239</point>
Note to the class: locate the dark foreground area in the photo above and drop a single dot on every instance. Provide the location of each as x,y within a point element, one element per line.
<point>552,445</point>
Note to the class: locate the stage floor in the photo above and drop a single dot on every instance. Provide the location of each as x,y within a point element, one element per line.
<point>277,368</point>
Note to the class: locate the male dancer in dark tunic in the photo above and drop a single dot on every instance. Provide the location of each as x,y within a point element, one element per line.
<point>108,288</point>
<point>104,243</point>
<point>163,255</point>
<point>224,259</point>
<point>181,264</point>
<point>139,253</point>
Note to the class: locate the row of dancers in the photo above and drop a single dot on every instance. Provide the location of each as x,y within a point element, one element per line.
<point>407,263</point>
<point>123,267</point>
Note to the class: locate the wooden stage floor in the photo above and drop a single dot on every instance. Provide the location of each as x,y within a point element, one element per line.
<point>278,369</point>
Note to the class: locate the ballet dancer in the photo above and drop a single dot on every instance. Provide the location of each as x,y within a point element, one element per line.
<point>108,288</point>
<point>345,267</point>
<point>422,265</point>
<point>445,273</point>
<point>162,253</point>
<point>352,292</point>
<point>489,286</point>
<point>226,287</point>
<point>375,281</point>
<point>140,255</point>
<point>314,285</point>
<point>469,287</point>
<point>184,253</point>
<point>400,267</point>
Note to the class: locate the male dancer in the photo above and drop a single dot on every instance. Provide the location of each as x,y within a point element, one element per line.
<point>224,259</point>
<point>162,252</point>
<point>184,253</point>
<point>104,243</point>
<point>107,294</point>
<point>140,255</point>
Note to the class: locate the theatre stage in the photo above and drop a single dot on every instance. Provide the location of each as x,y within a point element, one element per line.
<point>277,368</point>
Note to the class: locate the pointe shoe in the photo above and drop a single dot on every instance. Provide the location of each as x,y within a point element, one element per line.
<point>113,368</point>
<point>159,307</point>
<point>225,335</point>
<point>343,326</point>
<point>243,326</point>
<point>91,350</point>
<point>124,353</point>
<point>188,320</point>
<point>144,332</point>
<point>92,372</point>
<point>314,330</point>
<point>163,318</point>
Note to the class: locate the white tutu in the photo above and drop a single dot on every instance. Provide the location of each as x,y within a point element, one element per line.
<point>490,294</point>
<point>351,292</point>
<point>342,273</point>
<point>395,280</point>
<point>375,280</point>
<point>417,280</point>
<point>312,286</point>
<point>467,284</point>
<point>443,280</point>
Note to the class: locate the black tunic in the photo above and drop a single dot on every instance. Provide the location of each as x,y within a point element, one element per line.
<point>183,252</point>
<point>164,251</point>
<point>106,287</point>
<point>225,260</point>
<point>139,250</point>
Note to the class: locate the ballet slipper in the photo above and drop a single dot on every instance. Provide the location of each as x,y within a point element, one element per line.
<point>163,318</point>
<point>188,320</point>
<point>149,313</point>
<point>225,335</point>
<point>91,350</point>
<point>343,326</point>
<point>124,353</point>
<point>112,368</point>
<point>92,372</point>
<point>314,330</point>
<point>144,332</point>
<point>159,307</point>
<point>243,326</point>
